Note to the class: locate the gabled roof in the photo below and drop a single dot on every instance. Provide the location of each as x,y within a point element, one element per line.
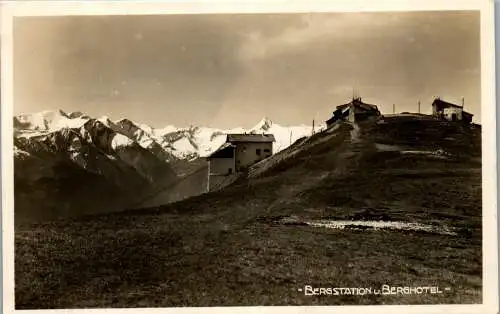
<point>250,138</point>
<point>332,119</point>
<point>444,104</point>
<point>341,112</point>
<point>222,151</point>
<point>358,103</point>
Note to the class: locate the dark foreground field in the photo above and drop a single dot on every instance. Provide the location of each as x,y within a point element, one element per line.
<point>250,244</point>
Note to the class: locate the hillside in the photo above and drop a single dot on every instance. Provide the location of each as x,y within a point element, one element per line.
<point>192,184</point>
<point>395,202</point>
<point>82,170</point>
<point>117,164</point>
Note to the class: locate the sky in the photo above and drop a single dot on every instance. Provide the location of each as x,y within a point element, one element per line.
<point>230,70</point>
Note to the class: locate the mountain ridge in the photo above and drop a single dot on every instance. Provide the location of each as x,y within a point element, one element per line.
<point>123,157</point>
<point>169,142</point>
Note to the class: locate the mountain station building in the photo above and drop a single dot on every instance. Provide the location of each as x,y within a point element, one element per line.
<point>234,156</point>
<point>451,112</point>
<point>354,111</point>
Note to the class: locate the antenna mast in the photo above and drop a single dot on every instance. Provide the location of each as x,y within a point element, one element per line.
<point>355,94</point>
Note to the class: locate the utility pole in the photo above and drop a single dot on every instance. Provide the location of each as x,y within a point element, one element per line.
<point>290,137</point>
<point>463,102</point>
<point>393,108</point>
<point>313,128</point>
<point>208,178</point>
<point>419,106</point>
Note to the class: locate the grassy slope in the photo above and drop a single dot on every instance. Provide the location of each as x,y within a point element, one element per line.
<point>60,188</point>
<point>225,248</point>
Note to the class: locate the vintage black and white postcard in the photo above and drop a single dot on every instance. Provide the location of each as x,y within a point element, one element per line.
<point>253,156</point>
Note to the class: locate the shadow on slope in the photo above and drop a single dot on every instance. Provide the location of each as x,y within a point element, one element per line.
<point>344,167</point>
<point>62,190</point>
<point>226,249</point>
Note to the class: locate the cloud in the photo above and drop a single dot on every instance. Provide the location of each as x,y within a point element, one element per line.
<point>316,28</point>
<point>258,46</point>
<point>230,70</point>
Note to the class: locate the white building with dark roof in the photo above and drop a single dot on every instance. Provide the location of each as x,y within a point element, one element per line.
<point>451,112</point>
<point>235,156</point>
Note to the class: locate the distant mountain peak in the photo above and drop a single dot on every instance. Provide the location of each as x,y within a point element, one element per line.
<point>125,121</point>
<point>106,121</point>
<point>51,113</point>
<point>63,113</point>
<point>78,114</point>
<point>167,143</point>
<point>264,124</point>
<point>48,120</point>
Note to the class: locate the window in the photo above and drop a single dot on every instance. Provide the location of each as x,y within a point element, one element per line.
<point>258,151</point>
<point>266,150</point>
<point>230,171</point>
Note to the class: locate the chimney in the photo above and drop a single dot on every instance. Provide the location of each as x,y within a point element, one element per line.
<point>463,102</point>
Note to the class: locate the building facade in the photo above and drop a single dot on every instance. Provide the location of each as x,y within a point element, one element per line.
<point>354,111</point>
<point>235,156</point>
<point>451,112</point>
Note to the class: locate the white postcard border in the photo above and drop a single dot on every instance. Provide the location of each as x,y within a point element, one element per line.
<point>8,10</point>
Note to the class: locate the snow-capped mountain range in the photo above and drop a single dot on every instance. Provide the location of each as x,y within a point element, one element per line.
<point>166,143</point>
<point>71,163</point>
